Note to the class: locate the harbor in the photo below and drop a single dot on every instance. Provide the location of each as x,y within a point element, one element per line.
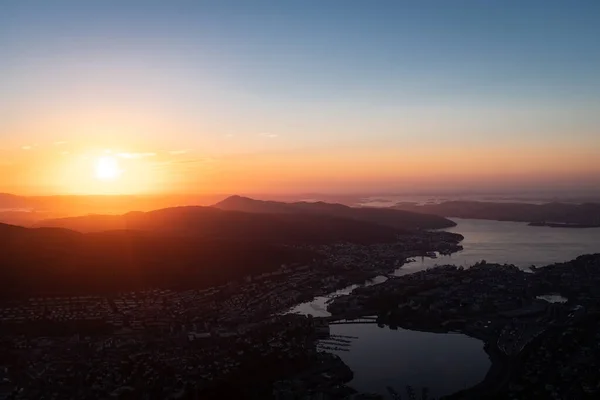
<point>381,357</point>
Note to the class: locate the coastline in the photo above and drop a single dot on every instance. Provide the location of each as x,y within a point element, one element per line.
<point>502,308</point>
<point>564,225</point>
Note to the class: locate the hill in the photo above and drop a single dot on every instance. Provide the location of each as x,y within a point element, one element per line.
<point>42,207</point>
<point>398,219</point>
<point>586,214</point>
<point>60,261</point>
<point>213,223</point>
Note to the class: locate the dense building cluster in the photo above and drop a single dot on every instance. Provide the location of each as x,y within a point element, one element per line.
<point>562,364</point>
<point>160,343</point>
<point>546,337</point>
<point>233,339</point>
<point>157,366</point>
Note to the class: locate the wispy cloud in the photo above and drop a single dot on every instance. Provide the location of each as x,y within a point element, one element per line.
<point>195,160</point>
<point>177,152</point>
<point>186,161</point>
<point>60,142</point>
<point>135,155</point>
<point>26,147</point>
<point>268,135</point>
<point>229,135</point>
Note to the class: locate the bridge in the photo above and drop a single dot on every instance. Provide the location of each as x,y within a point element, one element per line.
<point>361,320</point>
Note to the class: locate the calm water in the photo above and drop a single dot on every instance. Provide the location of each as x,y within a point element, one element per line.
<point>532,198</point>
<point>493,241</point>
<point>447,363</point>
<point>381,357</point>
<point>318,306</point>
<point>553,298</point>
<point>514,243</point>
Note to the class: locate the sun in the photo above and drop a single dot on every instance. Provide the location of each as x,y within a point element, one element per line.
<point>107,168</point>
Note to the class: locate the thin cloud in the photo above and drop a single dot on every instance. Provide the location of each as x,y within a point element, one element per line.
<point>135,155</point>
<point>195,161</point>
<point>177,152</point>
<point>188,162</point>
<point>60,142</point>
<point>269,135</point>
<point>229,135</point>
<point>26,147</point>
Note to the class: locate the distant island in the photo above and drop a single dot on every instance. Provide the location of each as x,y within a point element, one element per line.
<point>563,215</point>
<point>563,225</point>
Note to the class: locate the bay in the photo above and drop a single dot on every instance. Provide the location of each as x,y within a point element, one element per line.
<point>513,243</point>
<point>446,363</point>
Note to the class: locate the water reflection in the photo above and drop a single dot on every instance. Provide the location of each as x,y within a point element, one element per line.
<point>553,298</point>
<point>318,306</point>
<point>381,357</point>
<point>494,241</point>
<point>515,243</point>
<point>447,363</point>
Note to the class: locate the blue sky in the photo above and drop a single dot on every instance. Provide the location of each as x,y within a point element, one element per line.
<point>297,75</point>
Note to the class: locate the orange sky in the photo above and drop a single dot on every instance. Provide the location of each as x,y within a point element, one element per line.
<point>62,167</point>
<point>276,97</point>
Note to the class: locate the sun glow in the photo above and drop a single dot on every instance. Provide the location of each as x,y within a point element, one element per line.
<point>107,168</point>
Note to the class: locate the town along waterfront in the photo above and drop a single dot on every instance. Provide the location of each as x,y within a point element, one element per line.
<point>317,307</point>
<point>381,357</point>
<point>494,241</point>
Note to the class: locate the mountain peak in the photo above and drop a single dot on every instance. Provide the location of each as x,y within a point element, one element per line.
<point>236,198</point>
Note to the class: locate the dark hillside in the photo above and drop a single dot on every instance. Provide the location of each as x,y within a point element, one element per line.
<point>213,223</point>
<point>398,219</point>
<point>59,261</point>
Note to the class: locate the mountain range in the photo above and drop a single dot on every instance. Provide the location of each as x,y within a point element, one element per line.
<point>214,223</point>
<point>394,218</point>
<point>190,246</point>
<point>240,216</point>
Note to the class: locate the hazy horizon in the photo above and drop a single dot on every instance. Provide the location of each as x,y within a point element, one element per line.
<point>130,97</point>
<point>508,193</point>
<point>274,199</point>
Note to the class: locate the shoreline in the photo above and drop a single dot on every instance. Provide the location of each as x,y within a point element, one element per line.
<point>502,309</point>
<point>564,225</point>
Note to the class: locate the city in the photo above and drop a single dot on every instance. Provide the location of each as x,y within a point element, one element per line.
<point>299,200</point>
<point>172,333</point>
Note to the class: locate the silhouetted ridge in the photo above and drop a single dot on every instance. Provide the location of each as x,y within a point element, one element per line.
<point>59,261</point>
<point>394,218</point>
<point>209,222</point>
